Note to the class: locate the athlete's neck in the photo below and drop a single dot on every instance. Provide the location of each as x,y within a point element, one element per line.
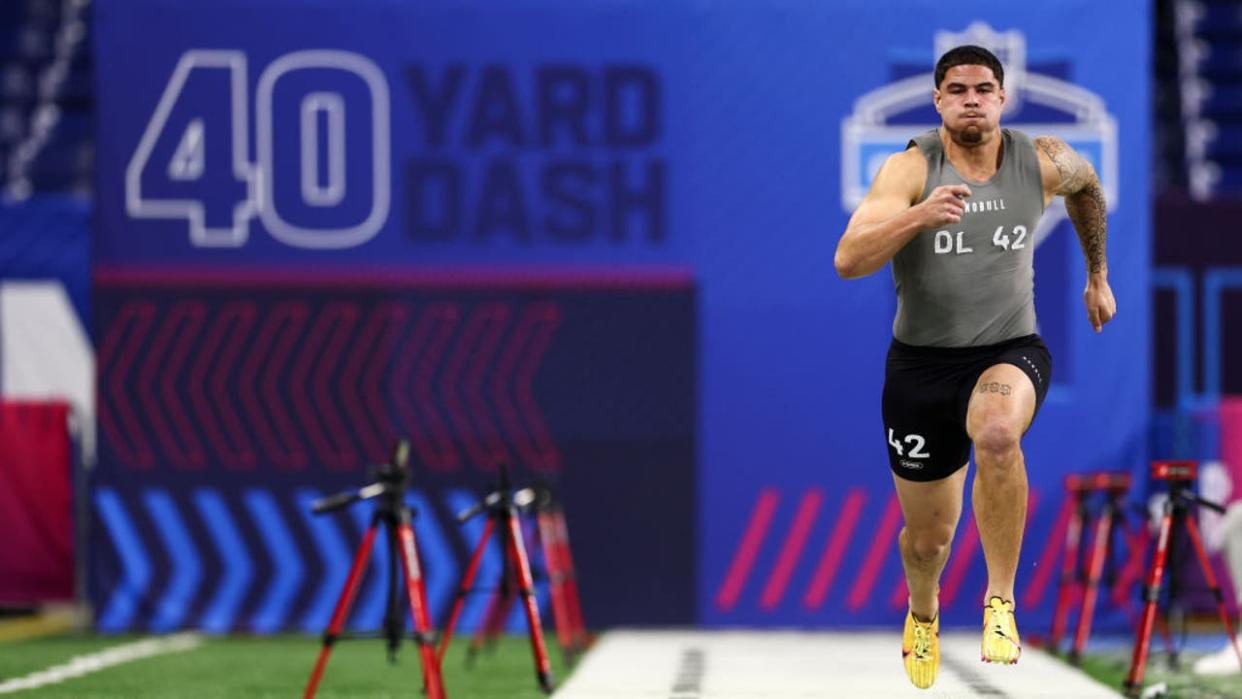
<point>975,161</point>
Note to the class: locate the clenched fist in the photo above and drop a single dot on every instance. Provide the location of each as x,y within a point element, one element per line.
<point>1098,297</point>
<point>944,205</point>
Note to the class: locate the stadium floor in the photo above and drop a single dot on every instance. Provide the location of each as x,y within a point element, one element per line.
<point>793,665</point>
<point>622,665</point>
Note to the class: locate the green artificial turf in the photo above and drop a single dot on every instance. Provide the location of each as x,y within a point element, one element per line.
<point>238,667</point>
<point>1181,683</point>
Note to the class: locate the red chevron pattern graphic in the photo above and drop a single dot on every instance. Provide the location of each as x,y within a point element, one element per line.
<point>330,331</point>
<point>164,409</point>
<point>293,382</point>
<point>547,318</point>
<point>293,317</point>
<point>427,342</point>
<point>226,435</point>
<point>116,413</point>
<point>349,383</point>
<point>392,318</point>
<point>486,455</point>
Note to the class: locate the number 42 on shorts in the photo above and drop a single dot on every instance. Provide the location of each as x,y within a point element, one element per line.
<point>914,441</point>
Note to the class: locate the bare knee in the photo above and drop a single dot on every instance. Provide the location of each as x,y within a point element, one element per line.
<point>929,543</point>
<point>997,442</point>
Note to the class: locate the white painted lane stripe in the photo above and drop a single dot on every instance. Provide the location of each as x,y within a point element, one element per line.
<point>94,662</point>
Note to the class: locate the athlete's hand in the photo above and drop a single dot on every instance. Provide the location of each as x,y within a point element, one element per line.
<point>945,204</point>
<point>1101,306</point>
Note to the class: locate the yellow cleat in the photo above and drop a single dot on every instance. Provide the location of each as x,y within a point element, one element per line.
<point>1000,633</point>
<point>920,650</point>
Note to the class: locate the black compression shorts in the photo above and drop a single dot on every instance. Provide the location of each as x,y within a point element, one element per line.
<point>927,391</point>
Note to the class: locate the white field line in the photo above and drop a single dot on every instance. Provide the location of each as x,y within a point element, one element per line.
<point>94,662</point>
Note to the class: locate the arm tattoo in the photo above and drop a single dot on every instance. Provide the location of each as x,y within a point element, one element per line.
<point>1075,172</point>
<point>1084,199</point>
<point>1086,209</point>
<point>996,387</point>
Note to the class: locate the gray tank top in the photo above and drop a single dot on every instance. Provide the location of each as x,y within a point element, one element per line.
<point>972,283</point>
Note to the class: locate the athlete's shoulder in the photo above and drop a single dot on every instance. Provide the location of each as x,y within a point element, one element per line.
<point>911,156</point>
<point>1051,146</point>
<point>1064,170</point>
<point>909,162</point>
<point>927,142</point>
<point>903,173</point>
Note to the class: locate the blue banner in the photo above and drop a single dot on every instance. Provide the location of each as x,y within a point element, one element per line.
<point>718,144</point>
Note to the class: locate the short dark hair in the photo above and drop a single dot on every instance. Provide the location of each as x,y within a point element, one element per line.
<point>969,55</point>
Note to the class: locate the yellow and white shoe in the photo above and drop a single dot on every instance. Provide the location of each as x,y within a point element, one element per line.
<point>1000,633</point>
<point>920,650</point>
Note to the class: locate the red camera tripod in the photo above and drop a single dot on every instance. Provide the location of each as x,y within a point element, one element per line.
<point>1180,476</point>
<point>502,506</point>
<point>391,511</point>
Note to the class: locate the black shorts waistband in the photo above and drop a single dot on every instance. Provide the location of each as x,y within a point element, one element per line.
<point>962,353</point>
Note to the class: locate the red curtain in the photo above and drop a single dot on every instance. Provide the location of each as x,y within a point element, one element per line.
<point>1231,441</point>
<point>36,503</point>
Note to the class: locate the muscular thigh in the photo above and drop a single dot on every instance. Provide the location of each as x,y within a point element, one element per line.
<point>1002,394</point>
<point>923,424</point>
<point>931,505</point>
<point>1011,387</point>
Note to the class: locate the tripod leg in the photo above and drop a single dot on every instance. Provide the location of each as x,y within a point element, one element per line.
<point>394,618</point>
<point>496,625</point>
<point>517,551</point>
<point>418,608</point>
<point>1099,554</point>
<point>343,605</point>
<point>493,620</point>
<point>572,601</point>
<point>549,544</point>
<point>498,609</point>
<point>1069,569</point>
<point>1211,581</point>
<point>1133,544</point>
<point>467,582</point>
<point>488,628</point>
<point>1138,663</point>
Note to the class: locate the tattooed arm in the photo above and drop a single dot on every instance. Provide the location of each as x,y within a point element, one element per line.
<point>1066,173</point>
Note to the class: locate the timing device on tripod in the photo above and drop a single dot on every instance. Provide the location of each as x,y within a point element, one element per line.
<point>502,506</point>
<point>1180,476</point>
<point>391,511</point>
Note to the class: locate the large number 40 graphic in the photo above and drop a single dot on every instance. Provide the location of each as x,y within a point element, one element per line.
<point>178,172</point>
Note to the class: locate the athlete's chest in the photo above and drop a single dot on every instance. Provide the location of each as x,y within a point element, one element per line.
<point>994,223</point>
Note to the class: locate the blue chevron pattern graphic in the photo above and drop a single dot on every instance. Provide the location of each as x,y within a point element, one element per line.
<point>336,560</point>
<point>186,566</point>
<point>131,589</point>
<point>221,612</point>
<point>273,612</point>
<point>259,560</point>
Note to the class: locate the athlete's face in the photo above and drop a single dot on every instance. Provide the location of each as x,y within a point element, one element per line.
<point>969,100</point>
